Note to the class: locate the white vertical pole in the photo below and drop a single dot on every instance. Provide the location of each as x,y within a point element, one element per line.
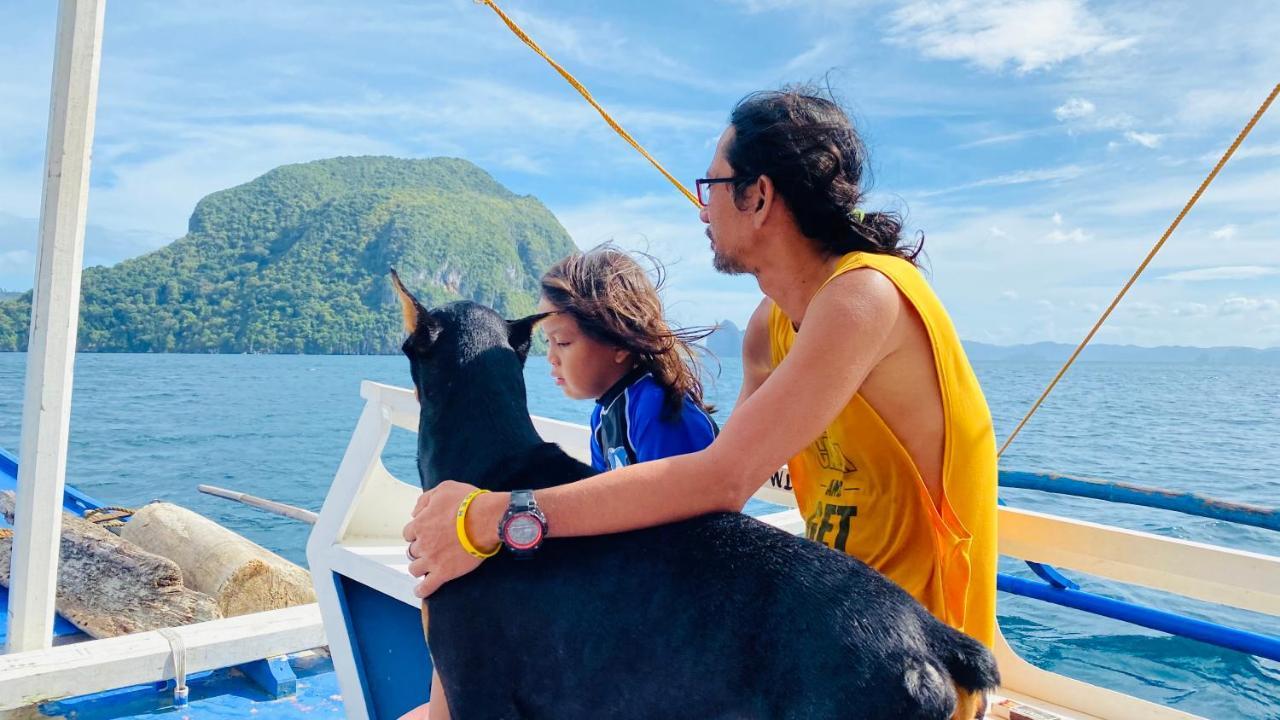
<point>55,311</point>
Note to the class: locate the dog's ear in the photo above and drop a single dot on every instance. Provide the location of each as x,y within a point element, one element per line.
<point>416,318</point>
<point>520,334</point>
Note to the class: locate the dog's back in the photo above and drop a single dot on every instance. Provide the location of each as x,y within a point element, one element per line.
<point>719,616</point>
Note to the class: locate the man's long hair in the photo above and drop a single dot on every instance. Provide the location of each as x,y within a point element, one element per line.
<point>808,147</point>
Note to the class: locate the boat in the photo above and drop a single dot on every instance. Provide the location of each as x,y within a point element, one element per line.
<point>359,651</point>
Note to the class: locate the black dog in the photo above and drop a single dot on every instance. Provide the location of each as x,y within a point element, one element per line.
<point>721,616</point>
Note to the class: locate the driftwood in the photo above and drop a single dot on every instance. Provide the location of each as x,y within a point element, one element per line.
<point>241,576</point>
<point>108,586</point>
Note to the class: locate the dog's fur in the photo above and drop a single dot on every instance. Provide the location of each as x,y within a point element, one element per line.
<point>720,616</point>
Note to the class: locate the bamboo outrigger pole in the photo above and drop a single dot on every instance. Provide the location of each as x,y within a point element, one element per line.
<point>271,506</point>
<point>55,313</point>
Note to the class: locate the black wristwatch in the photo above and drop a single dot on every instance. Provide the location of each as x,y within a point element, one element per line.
<point>523,527</point>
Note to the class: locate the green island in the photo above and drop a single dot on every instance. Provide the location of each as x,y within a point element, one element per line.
<point>297,260</point>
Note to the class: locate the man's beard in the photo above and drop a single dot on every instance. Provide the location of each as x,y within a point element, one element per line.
<point>722,262</point>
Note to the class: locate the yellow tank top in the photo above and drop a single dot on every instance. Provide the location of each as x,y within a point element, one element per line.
<point>859,490</point>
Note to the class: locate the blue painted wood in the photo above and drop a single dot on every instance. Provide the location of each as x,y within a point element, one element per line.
<point>111,703</point>
<point>1183,502</point>
<point>274,675</point>
<point>1264,646</point>
<point>215,695</point>
<point>390,650</point>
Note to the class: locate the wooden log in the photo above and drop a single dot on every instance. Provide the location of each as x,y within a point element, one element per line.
<point>108,586</point>
<point>241,576</point>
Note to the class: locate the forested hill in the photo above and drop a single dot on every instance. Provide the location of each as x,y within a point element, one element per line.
<point>296,261</point>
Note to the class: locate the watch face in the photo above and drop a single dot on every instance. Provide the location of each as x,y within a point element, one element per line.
<point>523,531</point>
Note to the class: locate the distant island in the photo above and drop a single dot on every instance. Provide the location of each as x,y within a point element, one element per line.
<point>1059,352</point>
<point>297,261</point>
<point>726,342</point>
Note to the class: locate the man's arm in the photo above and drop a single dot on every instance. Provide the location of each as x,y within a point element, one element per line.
<point>757,359</point>
<point>849,327</point>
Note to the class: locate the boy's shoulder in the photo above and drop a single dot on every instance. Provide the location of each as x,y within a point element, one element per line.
<point>645,394</point>
<point>647,398</point>
<point>645,385</point>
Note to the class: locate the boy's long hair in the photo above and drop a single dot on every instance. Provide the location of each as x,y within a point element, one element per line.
<point>614,302</point>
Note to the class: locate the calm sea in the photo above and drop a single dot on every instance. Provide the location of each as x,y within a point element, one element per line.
<point>150,427</point>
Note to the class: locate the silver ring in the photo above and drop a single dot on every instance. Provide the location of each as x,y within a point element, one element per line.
<point>408,552</point>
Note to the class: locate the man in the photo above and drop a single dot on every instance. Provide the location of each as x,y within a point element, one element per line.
<point>852,372</point>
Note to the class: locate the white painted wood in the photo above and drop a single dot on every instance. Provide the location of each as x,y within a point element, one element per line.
<point>46,412</point>
<point>573,439</point>
<point>378,565</point>
<point>1206,572</point>
<point>71,670</point>
<point>360,461</point>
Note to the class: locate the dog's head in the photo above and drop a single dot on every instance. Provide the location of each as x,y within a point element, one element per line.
<point>467,363</point>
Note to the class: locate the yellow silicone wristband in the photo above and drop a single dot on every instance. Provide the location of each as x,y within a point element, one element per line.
<point>461,525</point>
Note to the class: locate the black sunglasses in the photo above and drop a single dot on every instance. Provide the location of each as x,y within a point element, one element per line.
<point>704,185</point>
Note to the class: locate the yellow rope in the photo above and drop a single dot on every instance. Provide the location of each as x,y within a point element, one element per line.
<point>587,95</point>
<point>1155,249</point>
<point>111,516</point>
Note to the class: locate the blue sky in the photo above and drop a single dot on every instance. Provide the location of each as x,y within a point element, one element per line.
<point>1041,145</point>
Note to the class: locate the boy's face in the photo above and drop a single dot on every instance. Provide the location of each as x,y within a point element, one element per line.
<point>583,368</point>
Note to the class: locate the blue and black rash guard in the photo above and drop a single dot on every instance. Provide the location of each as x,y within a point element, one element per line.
<point>628,425</point>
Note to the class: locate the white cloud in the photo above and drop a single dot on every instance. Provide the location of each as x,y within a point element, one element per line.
<point>1245,152</point>
<point>1226,232</point>
<point>1239,305</point>
<point>1147,140</point>
<point>1190,309</point>
<point>1058,237</point>
<point>1005,138</point>
<point>1079,115</point>
<point>1021,177</point>
<point>818,55</point>
<point>1027,34</point>
<point>1143,309</point>
<point>1232,103</point>
<point>1226,272</point>
<point>1074,109</point>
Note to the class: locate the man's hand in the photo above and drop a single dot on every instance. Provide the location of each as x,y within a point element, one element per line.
<point>437,555</point>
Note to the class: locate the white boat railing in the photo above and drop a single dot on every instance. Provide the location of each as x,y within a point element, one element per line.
<point>358,536</point>
<point>84,668</point>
